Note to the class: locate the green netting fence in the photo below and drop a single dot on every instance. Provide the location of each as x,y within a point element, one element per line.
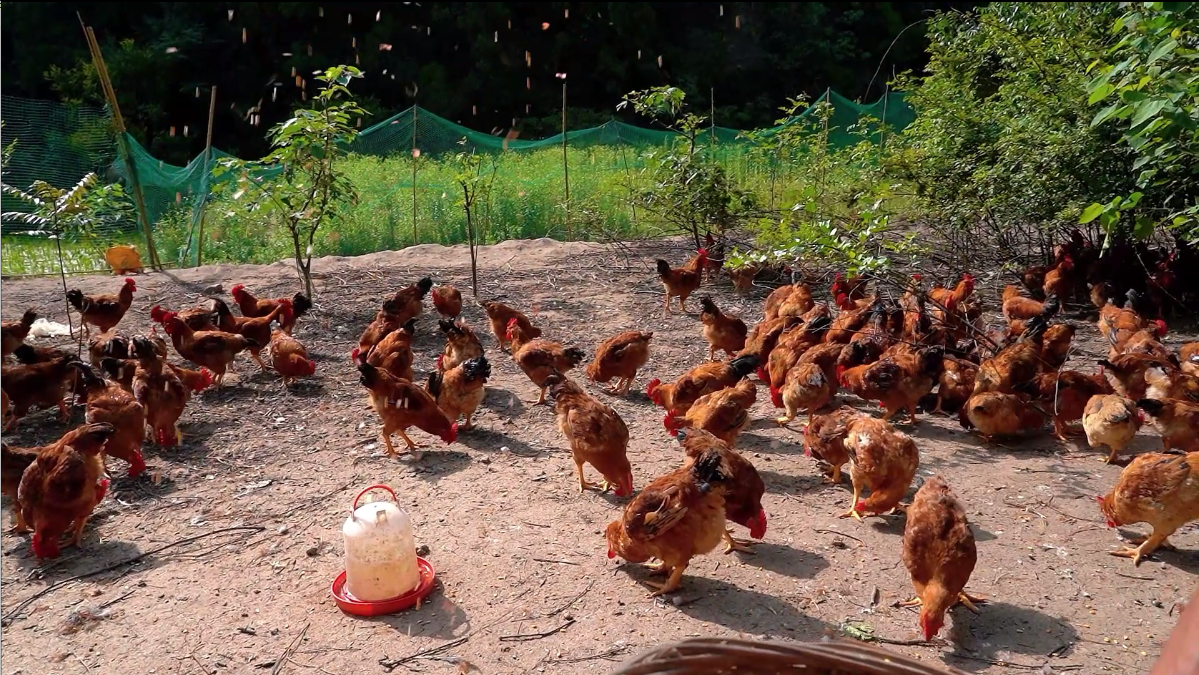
<point>405,197</point>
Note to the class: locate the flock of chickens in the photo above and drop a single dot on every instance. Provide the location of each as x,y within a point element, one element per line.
<point>925,351</point>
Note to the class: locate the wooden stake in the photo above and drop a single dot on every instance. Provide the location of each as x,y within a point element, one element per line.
<point>208,169</point>
<point>415,240</point>
<point>565,164</point>
<point>130,166</point>
<point>712,100</point>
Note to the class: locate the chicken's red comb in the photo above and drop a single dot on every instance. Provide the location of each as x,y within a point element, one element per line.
<point>129,281</point>
<point>918,277</point>
<point>238,288</point>
<point>157,313</point>
<point>513,322</point>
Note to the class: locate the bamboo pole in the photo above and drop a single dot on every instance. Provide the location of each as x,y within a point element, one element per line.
<point>882,139</point>
<point>208,169</point>
<point>110,94</point>
<point>712,117</point>
<point>415,241</point>
<point>565,164</point>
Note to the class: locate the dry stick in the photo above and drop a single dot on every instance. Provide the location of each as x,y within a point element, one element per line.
<point>7,618</point>
<point>391,665</point>
<point>842,534</point>
<point>291,649</point>
<point>572,601</point>
<point>527,637</point>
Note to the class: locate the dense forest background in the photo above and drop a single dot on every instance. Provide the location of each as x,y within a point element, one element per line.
<point>489,66</point>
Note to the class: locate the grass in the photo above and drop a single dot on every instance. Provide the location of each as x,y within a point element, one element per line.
<point>25,255</point>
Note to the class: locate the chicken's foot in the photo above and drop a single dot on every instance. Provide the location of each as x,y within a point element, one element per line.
<point>258,359</point>
<point>853,510</point>
<point>1147,547</point>
<point>666,306</point>
<point>731,544</point>
<point>672,584</point>
<point>412,446</point>
<point>63,411</point>
<point>583,484</point>
<point>970,600</point>
<point>468,424</point>
<point>77,535</point>
<point>541,397</point>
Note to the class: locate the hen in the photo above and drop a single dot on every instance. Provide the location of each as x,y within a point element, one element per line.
<point>63,486</point>
<point>899,380</point>
<point>13,462</point>
<point>1111,420</point>
<point>1159,489</point>
<point>38,384</point>
<point>882,460</point>
<point>722,413</point>
<point>705,378</point>
<point>1015,365</point>
<point>251,306</point>
<point>102,311</point>
<point>955,385</point>
<point>213,350</point>
<point>620,356</point>
<point>939,552</point>
<point>723,333</point>
<point>401,404</point>
<point>499,316</point>
<point>387,319</point>
<point>807,386</point>
<point>744,488</point>
<point>1177,422</point>
<point>447,301</point>
<point>1188,357</point>
<point>109,403</point>
<point>824,439</point>
<point>1126,373</point>
<point>13,333</point>
<point>997,414</point>
<point>1065,395</point>
<point>394,352</point>
<point>460,390</point>
<point>1162,383</point>
<point>161,393</point>
<point>196,318</point>
<point>257,329</point>
<point>676,517</point>
<point>1059,280</point>
<point>1017,307</point>
<point>681,282</point>
<point>596,434</point>
<point>541,358</point>
<point>461,345</point>
<point>409,301</point>
<point>289,358</point>
<point>853,288</point>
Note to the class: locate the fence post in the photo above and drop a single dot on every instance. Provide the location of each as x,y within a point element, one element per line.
<point>882,139</point>
<point>415,241</point>
<point>565,164</point>
<point>712,117</point>
<point>207,174</point>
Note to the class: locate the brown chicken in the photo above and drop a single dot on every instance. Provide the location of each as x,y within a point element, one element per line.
<point>1188,358</point>
<point>161,393</point>
<point>744,487</point>
<point>63,486</point>
<point>1060,280</point>
<point>806,386</point>
<point>447,301</point>
<point>763,338</point>
<point>824,439</point>
<point>387,319</point>
<point>401,404</point>
<point>951,300</point>
<point>1126,373</point>
<point>109,403</point>
<point>1018,307</point>
<point>853,288</point>
<point>1145,341</point>
<point>541,358</point>
<point>38,384</point>
<point>13,462</point>
<point>682,282</point>
<point>939,552</point>
<point>394,352</point>
<point>110,344</point>
<point>461,345</point>
<point>409,301</point>
<point>899,380</point>
<point>1055,345</point>
<point>722,413</point>
<point>848,323</point>
<point>868,344</point>
<point>1015,365</point>
<point>102,311</point>
<point>996,414</point>
<point>460,390</point>
<point>13,333</point>
<point>196,318</point>
<point>956,309</point>
<point>798,302</point>
<point>620,357</point>
<point>676,517</point>
<point>1164,383</point>
<point>743,277</point>
<point>1118,324</point>
<point>1159,489</point>
<point>212,349</point>
<point>714,261</point>
<point>1064,395</point>
<point>1113,421</point>
<point>250,306</point>
<point>500,315</point>
<point>723,333</point>
<point>955,385</point>
<point>289,358</point>
<point>705,378</point>
<point>257,329</point>
<point>824,355</point>
<point>882,460</point>
<point>596,434</point>
<point>1177,422</point>
<point>775,301</point>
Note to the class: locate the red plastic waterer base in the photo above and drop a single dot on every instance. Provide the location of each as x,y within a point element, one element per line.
<point>351,605</point>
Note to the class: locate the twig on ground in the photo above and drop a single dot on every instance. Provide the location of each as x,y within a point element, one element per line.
<point>291,649</point>
<point>1133,576</point>
<point>116,600</point>
<point>841,534</point>
<point>526,637</point>
<point>609,654</point>
<point>549,560</point>
<point>390,665</point>
<point>572,601</point>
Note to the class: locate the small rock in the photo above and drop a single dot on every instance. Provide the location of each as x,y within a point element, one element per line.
<point>423,550</point>
<point>313,551</point>
<point>215,289</point>
<point>504,448</point>
<point>282,529</point>
<point>485,460</point>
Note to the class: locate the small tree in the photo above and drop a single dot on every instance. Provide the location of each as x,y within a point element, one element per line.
<point>476,188</point>
<point>300,181</point>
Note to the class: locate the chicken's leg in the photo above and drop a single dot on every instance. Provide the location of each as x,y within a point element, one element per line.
<point>77,535</point>
<point>731,544</point>
<point>628,383</point>
<point>1146,547</point>
<point>853,510</point>
<point>672,584</point>
<point>1111,458</point>
<point>541,397</point>
<point>912,414</point>
<point>666,306</point>
<point>468,424</point>
<point>835,477</point>
<point>258,359</point>
<point>583,484</point>
<point>63,411</point>
<point>683,304</point>
<point>412,447</point>
<point>711,352</point>
<point>19,526</point>
<point>391,451</point>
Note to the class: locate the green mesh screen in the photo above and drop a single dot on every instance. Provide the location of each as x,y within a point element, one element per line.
<point>527,186</point>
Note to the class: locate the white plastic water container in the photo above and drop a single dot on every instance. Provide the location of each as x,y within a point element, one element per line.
<point>380,550</point>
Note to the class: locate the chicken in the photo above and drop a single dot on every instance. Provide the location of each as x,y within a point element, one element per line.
<point>1018,307</point>
<point>1159,489</point>
<point>1059,281</point>
<point>1015,365</point>
<point>1055,345</point>
<point>951,300</point>
<point>289,358</point>
<point>954,309</point>
<point>161,393</point>
<point>682,282</point>
<point>110,403</point>
<point>620,357</point>
<point>447,301</point>
<point>401,404</point>
<point>541,358</point>
<point>1162,383</point>
<point>899,380</point>
<point>1145,341</point>
<point>1188,357</point>
<point>1126,373</point>
<point>38,384</point>
<point>13,462</point>
<point>460,390</point>
<point>764,337</point>
<point>13,333</point>
<point>882,460</point>
<point>798,302</point>
<point>998,414</point>
<point>743,277</point>
<point>853,288</point>
<point>848,323</point>
<point>1176,421</point>
<point>955,385</point>
<point>939,552</point>
<point>721,413</point>
<point>63,486</point>
<point>596,434</point>
<point>676,517</point>
<point>394,352</point>
<point>824,355</point>
<point>210,349</point>
<point>1065,395</point>
<point>387,319</point>
<point>461,345</point>
<point>793,344</point>
<point>714,261</point>
<point>196,318</point>
<point>744,487</point>
<point>257,329</point>
<point>102,311</point>
<point>1111,420</point>
<point>1118,325</point>
<point>806,386</point>
<point>252,307</point>
<point>824,439</point>
<point>500,315</point>
<point>723,333</point>
<point>409,301</point>
<point>868,344</point>
<point>109,344</point>
<point>775,300</point>
<point>705,378</point>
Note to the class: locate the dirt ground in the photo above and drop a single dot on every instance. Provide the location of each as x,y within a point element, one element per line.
<point>525,585</point>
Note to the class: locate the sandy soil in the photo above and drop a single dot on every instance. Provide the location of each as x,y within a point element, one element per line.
<point>518,550</point>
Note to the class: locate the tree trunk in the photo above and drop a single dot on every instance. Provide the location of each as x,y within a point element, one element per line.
<point>470,241</point>
<point>301,268</point>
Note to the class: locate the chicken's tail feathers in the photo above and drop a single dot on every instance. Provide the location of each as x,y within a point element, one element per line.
<point>744,365</point>
<point>663,267</point>
<point>476,369</point>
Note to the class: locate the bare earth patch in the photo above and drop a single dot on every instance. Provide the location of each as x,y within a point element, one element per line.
<point>519,552</point>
